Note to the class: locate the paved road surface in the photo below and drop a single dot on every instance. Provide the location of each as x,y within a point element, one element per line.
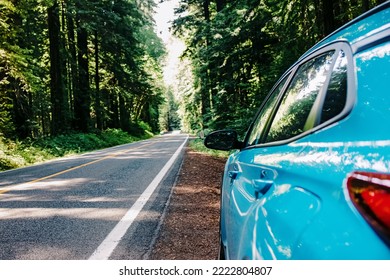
<point>101,205</point>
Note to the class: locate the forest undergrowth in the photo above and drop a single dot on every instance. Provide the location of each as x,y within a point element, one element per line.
<point>15,153</point>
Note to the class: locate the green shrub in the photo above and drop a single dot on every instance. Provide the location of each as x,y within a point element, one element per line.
<point>197,145</point>
<point>14,154</point>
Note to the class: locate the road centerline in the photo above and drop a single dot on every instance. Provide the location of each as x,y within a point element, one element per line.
<point>112,155</point>
<point>107,247</point>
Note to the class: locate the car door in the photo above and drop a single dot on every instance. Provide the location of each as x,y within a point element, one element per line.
<point>238,195</point>
<point>265,208</point>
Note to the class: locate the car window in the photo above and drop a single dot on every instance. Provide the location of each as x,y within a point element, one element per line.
<point>336,96</point>
<point>264,114</point>
<point>299,98</point>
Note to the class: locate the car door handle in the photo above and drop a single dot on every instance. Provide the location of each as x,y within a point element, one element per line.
<point>233,174</point>
<point>262,185</point>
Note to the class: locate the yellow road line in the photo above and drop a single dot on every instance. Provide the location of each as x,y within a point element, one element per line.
<point>2,191</point>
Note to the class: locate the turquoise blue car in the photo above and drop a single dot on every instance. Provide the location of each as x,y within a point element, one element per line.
<point>311,179</point>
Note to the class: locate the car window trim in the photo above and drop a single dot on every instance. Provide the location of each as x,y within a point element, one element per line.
<point>310,57</point>
<point>289,73</point>
<point>350,98</point>
<point>371,41</point>
<point>274,110</point>
<point>315,114</point>
<point>351,88</point>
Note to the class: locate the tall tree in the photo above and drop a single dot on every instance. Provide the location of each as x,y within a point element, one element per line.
<point>82,96</point>
<point>51,49</point>
<point>59,100</point>
<point>239,48</point>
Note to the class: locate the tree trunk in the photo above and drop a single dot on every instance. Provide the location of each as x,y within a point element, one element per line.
<point>82,95</point>
<point>365,5</point>
<point>21,111</point>
<point>220,5</point>
<point>22,104</point>
<point>73,87</point>
<point>98,107</point>
<point>206,9</point>
<point>206,93</point>
<point>328,16</point>
<point>113,110</point>
<point>123,114</point>
<point>57,90</point>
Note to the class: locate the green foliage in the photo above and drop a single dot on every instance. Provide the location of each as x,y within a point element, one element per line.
<point>197,145</point>
<point>15,154</point>
<point>238,50</point>
<point>78,66</point>
<point>169,117</point>
<point>96,64</point>
<point>141,129</point>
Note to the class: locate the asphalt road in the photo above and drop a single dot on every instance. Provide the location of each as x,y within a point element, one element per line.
<point>106,204</point>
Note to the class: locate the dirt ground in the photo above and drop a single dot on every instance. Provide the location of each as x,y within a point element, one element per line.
<point>190,228</point>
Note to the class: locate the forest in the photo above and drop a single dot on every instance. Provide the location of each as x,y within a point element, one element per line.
<point>82,66</point>
<point>237,50</point>
<point>78,66</point>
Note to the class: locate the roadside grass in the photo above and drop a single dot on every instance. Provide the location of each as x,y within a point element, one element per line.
<point>197,145</point>
<point>14,154</point>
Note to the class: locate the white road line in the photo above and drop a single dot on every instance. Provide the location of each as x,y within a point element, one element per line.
<point>105,249</point>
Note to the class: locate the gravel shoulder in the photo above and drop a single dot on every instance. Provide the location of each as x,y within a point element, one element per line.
<point>191,225</point>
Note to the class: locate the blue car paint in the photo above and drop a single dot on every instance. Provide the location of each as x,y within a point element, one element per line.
<point>306,213</point>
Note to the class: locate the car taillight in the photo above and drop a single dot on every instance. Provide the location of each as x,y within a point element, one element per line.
<point>370,193</point>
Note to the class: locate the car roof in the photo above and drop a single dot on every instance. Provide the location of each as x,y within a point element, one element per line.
<point>370,27</point>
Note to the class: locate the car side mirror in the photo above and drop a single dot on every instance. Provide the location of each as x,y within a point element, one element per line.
<point>223,140</point>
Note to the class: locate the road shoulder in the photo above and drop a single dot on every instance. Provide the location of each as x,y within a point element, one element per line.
<point>190,228</point>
